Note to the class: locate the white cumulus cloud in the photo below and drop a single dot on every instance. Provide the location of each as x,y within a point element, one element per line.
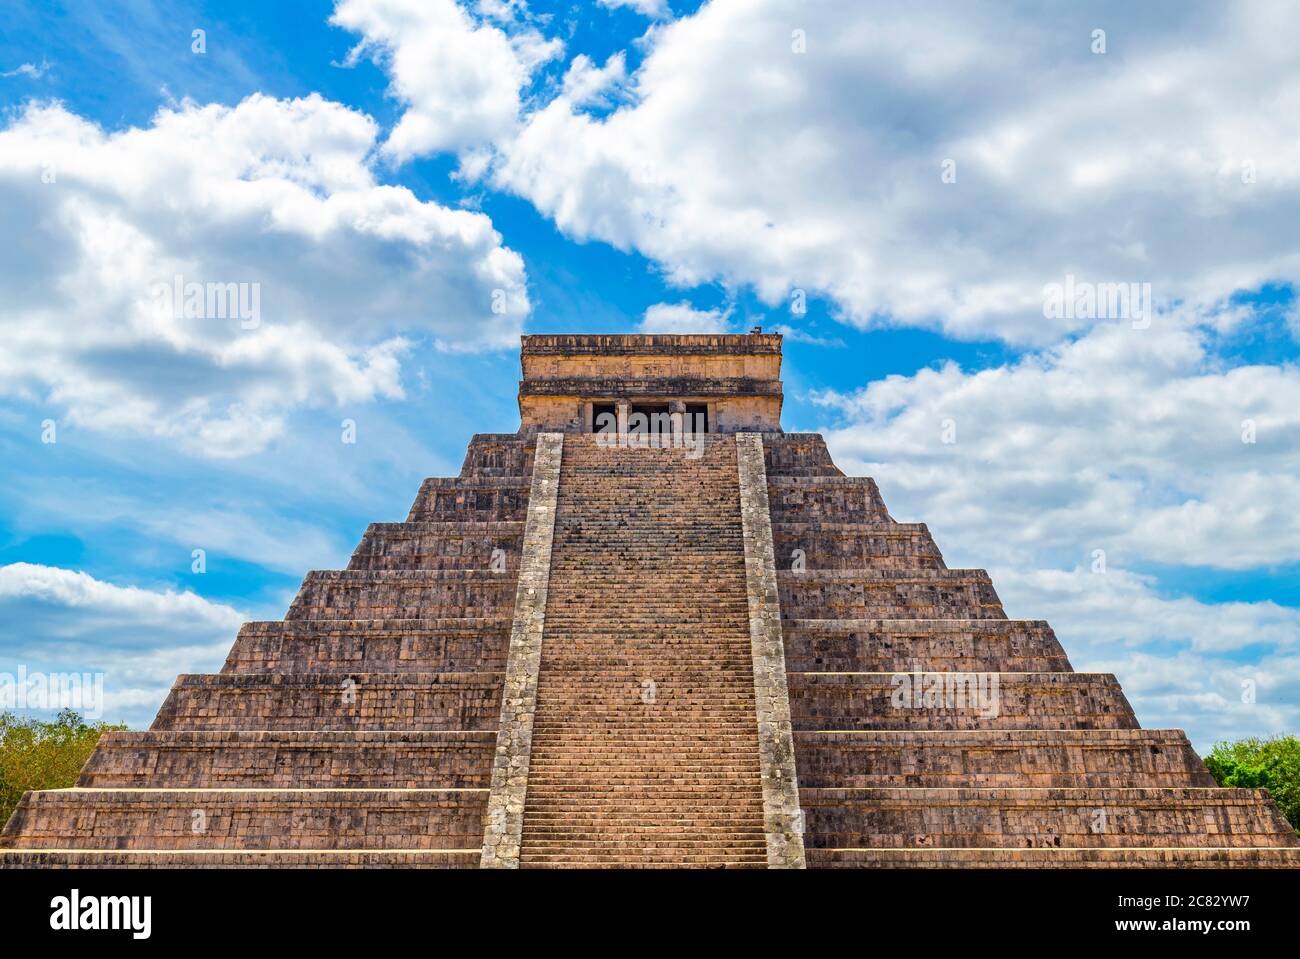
<point>29,70</point>
<point>1136,442</point>
<point>273,199</point>
<point>138,638</point>
<point>1219,670</point>
<point>683,318</point>
<point>460,77</point>
<point>655,9</point>
<point>783,145</point>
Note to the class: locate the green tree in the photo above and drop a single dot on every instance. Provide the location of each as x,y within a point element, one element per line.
<point>43,755</point>
<point>1272,764</point>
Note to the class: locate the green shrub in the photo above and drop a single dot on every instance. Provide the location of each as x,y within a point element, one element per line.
<point>43,755</point>
<point>1272,764</point>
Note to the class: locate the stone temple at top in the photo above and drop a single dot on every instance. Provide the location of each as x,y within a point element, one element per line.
<point>650,628</point>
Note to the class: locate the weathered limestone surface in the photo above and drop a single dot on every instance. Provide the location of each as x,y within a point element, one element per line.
<point>1115,857</point>
<point>790,455</point>
<point>407,759</point>
<point>251,818</point>
<point>1020,818</point>
<point>781,815</point>
<point>465,644</point>
<point>501,499</point>
<point>445,545</point>
<point>815,545</point>
<point>975,700</point>
<point>940,645</point>
<point>505,819</point>
<point>335,701</point>
<point>1062,758</point>
<point>403,594</point>
<point>243,859</point>
<point>889,594</point>
<point>820,499</point>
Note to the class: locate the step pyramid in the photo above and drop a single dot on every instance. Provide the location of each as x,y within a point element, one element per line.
<point>647,649</point>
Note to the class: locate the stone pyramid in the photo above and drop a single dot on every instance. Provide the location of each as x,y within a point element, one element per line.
<point>648,629</point>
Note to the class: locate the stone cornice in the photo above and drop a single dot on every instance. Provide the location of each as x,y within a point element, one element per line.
<point>627,344</point>
<point>674,386</point>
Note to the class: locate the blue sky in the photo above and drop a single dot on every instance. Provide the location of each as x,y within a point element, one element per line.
<point>381,168</point>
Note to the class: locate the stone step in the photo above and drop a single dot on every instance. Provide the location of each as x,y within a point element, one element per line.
<point>606,594</point>
<point>837,499</point>
<point>938,645</point>
<point>829,545</point>
<point>570,831</point>
<point>848,701</point>
<point>648,774</point>
<point>580,842</point>
<point>1204,857</point>
<point>158,819</point>
<point>797,454</point>
<point>582,678</point>
<point>371,645</point>
<point>888,594</point>
<point>240,859</point>
<point>1024,818</point>
<point>560,787</point>
<point>586,844</point>
<point>333,701</point>
<point>1006,758</point>
<point>645,724</point>
<point>648,560</point>
<point>312,760</point>
<point>732,825</point>
<point>503,498</point>
<point>643,613</point>
<point>637,860</point>
<point>705,752</point>
<point>671,744</point>
<point>615,682</point>
<point>461,545</point>
<point>665,699</point>
<point>633,661</point>
<point>403,594</point>
<point>498,454</point>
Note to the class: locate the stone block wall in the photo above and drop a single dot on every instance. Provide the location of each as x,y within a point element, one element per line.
<point>319,759</point>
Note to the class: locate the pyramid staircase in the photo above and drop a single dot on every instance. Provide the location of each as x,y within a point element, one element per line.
<point>645,748</point>
<point>610,704</point>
